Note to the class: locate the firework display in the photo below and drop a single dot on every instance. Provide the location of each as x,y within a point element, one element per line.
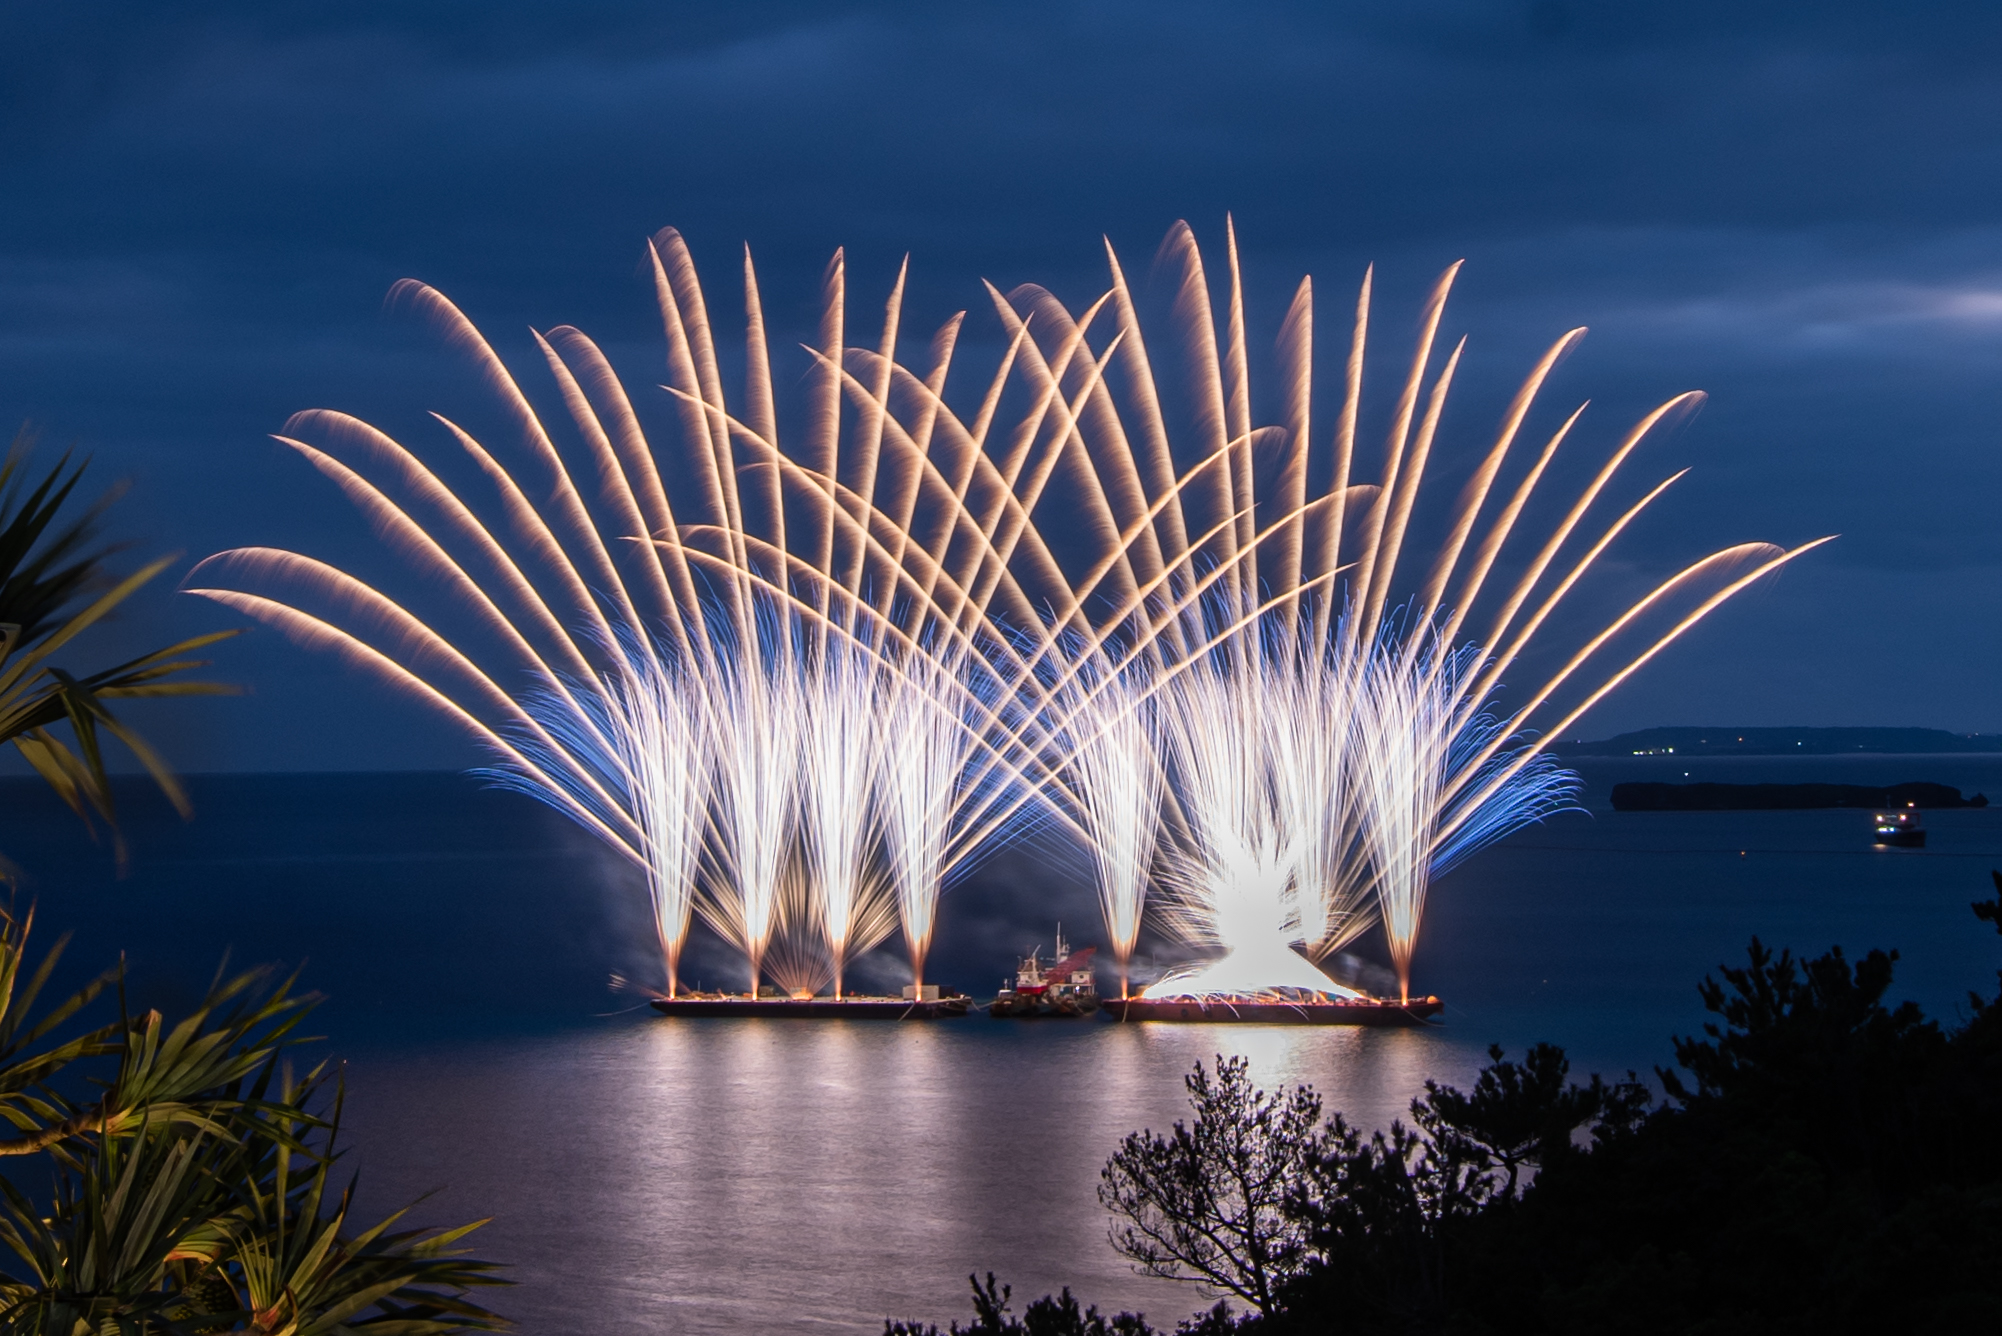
<point>804,684</point>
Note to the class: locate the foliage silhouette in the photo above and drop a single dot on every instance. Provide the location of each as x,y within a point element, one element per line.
<point>1823,1162</point>
<point>45,570</point>
<point>194,1192</point>
<point>44,567</point>
<point>1207,1202</point>
<point>1047,1316</point>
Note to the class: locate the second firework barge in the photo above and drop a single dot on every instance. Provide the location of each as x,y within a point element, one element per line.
<point>1276,1009</point>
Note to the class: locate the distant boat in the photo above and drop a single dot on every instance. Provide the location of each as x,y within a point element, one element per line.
<point>1900,829</point>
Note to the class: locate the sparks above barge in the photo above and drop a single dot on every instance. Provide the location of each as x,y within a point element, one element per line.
<point>1277,1007</point>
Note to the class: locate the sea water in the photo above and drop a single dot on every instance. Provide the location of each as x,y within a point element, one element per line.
<point>646,1174</point>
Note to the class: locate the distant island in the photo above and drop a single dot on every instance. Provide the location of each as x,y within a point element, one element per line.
<point>1783,797</point>
<point>1780,742</point>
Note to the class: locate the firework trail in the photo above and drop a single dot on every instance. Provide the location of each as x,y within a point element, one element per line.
<point>841,718</point>
<point>1115,770</point>
<point>924,759</point>
<point>662,777</point>
<point>755,726</point>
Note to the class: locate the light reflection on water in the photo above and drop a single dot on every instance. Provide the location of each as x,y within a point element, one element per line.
<point>711,1176</point>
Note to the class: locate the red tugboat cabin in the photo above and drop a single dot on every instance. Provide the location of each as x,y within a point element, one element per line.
<point>1065,988</point>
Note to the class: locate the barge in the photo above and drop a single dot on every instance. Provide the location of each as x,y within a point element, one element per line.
<point>1271,1010</point>
<point>930,1005</point>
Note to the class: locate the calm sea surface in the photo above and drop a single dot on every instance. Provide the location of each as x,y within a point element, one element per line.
<point>736,1176</point>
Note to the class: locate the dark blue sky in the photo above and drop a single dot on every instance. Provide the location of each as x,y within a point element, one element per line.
<point>1795,207</point>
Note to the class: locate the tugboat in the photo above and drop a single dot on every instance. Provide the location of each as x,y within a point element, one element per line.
<point>1064,989</point>
<point>1900,830</point>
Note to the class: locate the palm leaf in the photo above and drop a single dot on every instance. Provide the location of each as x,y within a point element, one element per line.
<point>194,1195</point>
<point>43,567</point>
<point>30,706</point>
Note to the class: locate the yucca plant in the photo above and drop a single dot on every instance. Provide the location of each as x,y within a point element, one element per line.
<point>298,1271</point>
<point>98,1258</point>
<point>25,1067</point>
<point>192,1193</point>
<point>46,565</point>
<point>190,1171</point>
<point>47,569</point>
<point>183,1074</point>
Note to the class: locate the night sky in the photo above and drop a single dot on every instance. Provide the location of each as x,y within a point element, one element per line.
<point>1796,207</point>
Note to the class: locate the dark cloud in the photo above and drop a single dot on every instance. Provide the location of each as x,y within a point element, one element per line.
<point>1795,207</point>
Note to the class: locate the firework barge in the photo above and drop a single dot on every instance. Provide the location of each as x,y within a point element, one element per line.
<point>929,1003</point>
<point>1287,1007</point>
